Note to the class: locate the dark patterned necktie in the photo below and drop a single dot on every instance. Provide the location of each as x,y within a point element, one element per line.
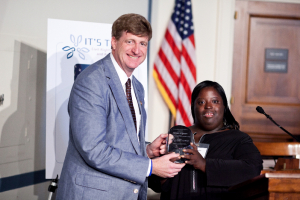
<point>129,99</point>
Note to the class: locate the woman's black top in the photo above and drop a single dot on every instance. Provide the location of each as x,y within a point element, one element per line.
<point>231,159</point>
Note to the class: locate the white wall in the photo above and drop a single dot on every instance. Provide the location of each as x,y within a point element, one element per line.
<point>23,25</point>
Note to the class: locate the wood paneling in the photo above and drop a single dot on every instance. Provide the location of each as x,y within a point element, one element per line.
<point>278,148</point>
<point>262,25</point>
<point>275,185</point>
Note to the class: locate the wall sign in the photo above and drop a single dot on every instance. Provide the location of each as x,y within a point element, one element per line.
<point>276,60</point>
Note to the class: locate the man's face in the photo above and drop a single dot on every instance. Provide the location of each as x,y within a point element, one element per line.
<point>129,51</point>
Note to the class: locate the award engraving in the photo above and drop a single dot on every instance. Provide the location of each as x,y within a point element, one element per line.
<point>179,138</point>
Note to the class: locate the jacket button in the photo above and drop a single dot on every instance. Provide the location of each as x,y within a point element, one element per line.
<point>135,191</point>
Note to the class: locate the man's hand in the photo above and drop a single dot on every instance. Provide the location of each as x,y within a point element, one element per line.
<point>164,168</point>
<point>157,147</point>
<point>194,158</point>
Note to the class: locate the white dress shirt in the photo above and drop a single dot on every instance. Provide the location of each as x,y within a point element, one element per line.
<point>123,78</point>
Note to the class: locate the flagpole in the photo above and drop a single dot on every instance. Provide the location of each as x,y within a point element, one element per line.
<point>171,120</point>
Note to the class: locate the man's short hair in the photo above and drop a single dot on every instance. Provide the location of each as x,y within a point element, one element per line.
<point>131,23</point>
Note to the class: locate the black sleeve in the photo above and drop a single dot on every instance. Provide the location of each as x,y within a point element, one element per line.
<point>154,182</point>
<point>246,164</point>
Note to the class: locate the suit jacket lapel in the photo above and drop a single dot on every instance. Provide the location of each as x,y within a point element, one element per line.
<point>140,100</point>
<point>120,98</point>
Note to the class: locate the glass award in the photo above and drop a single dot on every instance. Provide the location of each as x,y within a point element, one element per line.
<point>179,138</point>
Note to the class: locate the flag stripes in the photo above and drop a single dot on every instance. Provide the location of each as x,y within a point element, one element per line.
<point>175,65</point>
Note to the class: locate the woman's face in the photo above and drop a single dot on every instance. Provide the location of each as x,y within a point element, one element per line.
<point>209,110</point>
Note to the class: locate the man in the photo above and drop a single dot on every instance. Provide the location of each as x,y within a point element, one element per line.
<point>107,157</point>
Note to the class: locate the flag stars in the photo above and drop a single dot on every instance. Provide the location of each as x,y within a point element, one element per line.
<point>182,17</point>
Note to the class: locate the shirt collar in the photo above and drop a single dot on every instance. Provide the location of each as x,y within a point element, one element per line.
<point>122,75</point>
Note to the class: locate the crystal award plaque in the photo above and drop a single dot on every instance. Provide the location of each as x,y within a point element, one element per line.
<point>179,138</point>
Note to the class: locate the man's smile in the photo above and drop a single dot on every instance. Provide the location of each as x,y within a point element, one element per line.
<point>134,57</point>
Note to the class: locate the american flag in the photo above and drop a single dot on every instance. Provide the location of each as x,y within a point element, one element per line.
<point>175,65</point>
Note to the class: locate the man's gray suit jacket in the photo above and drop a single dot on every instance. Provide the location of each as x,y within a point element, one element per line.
<point>104,159</point>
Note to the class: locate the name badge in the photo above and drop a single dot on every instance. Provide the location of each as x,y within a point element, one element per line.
<point>202,149</point>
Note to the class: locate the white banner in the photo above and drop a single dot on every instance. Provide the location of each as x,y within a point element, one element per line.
<point>71,46</point>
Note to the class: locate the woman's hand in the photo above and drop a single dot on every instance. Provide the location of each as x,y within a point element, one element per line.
<point>194,158</point>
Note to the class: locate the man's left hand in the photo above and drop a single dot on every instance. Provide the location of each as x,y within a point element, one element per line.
<point>157,147</point>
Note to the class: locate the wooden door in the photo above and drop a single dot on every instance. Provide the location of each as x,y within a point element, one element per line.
<point>266,69</point>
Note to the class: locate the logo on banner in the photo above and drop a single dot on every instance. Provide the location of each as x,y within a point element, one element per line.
<point>82,50</point>
<point>71,50</point>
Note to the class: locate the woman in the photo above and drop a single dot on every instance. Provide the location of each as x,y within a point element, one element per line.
<point>231,156</point>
